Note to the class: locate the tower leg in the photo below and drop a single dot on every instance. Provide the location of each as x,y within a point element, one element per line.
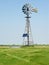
<point>28,31</point>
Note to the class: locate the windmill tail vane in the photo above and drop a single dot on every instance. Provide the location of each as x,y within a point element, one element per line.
<point>35,10</point>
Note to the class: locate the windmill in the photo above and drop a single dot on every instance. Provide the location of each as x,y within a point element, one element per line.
<point>27,36</point>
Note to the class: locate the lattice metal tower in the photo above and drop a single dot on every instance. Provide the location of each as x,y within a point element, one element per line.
<point>27,36</point>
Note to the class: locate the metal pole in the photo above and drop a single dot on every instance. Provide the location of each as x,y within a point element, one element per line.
<point>28,29</point>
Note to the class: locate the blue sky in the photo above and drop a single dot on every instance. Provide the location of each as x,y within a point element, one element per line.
<point>12,21</point>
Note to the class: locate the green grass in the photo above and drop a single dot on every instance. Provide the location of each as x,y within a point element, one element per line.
<point>37,55</point>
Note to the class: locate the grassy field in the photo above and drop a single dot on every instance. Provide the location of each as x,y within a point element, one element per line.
<point>37,55</point>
